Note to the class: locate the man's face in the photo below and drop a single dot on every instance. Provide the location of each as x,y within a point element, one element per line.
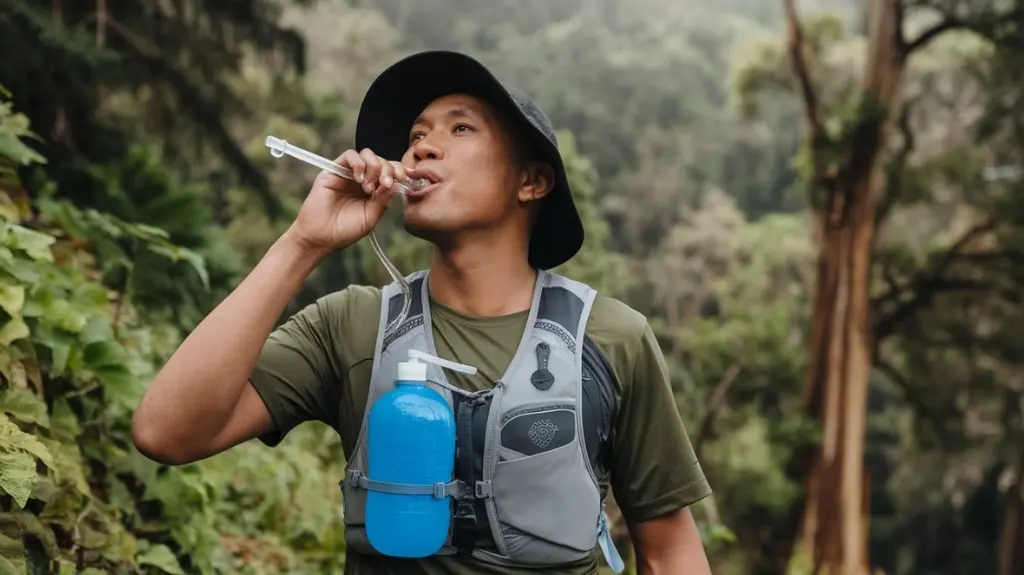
<point>461,141</point>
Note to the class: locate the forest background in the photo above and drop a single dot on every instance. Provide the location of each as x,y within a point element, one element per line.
<point>816,204</point>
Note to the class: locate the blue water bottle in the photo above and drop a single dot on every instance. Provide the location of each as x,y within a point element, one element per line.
<point>410,442</point>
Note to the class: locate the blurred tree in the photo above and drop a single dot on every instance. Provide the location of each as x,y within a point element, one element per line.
<point>849,121</point>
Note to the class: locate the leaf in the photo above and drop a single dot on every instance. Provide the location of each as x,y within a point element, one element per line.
<point>104,353</point>
<point>13,330</point>
<point>194,260</point>
<point>161,557</point>
<point>147,232</point>
<point>10,566</point>
<point>17,475</point>
<point>59,354</point>
<point>8,209</point>
<point>11,147</point>
<point>63,421</point>
<point>69,467</point>
<point>96,329</point>
<point>12,299</point>
<point>120,384</point>
<point>13,438</point>
<point>44,489</point>
<point>14,370</point>
<point>66,315</point>
<point>35,244</point>
<point>24,406</point>
<point>122,546</point>
<point>12,556</point>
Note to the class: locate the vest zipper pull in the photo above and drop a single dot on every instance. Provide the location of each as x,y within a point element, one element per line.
<point>542,379</point>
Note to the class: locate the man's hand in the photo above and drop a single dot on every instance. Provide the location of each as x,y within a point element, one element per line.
<point>338,212</point>
<point>669,545</point>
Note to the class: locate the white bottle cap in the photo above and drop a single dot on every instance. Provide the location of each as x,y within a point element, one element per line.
<point>412,370</point>
<point>416,370</point>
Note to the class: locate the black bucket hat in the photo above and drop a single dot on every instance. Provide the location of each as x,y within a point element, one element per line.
<point>404,89</point>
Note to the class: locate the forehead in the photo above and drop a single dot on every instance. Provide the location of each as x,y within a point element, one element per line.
<point>455,105</point>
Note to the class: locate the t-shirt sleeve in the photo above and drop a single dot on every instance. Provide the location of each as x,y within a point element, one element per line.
<point>297,373</point>
<point>654,468</point>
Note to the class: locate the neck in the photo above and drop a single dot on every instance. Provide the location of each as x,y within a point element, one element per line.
<point>483,278</point>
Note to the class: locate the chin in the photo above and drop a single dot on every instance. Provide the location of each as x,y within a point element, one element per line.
<point>426,228</point>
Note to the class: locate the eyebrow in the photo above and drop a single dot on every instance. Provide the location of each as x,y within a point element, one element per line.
<point>459,112</point>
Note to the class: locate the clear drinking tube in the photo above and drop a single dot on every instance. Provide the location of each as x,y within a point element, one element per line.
<point>279,148</point>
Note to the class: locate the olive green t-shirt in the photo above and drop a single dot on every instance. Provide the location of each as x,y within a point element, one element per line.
<point>317,366</point>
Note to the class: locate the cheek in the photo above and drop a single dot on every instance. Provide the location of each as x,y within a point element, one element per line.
<point>407,160</point>
<point>484,193</point>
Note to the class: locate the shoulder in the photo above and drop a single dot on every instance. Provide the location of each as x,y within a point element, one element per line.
<point>612,322</point>
<point>351,315</point>
<point>351,298</point>
<point>621,333</point>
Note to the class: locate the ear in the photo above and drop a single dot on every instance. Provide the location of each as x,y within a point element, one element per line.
<point>537,181</point>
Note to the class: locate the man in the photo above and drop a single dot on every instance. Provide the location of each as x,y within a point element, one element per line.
<point>574,395</point>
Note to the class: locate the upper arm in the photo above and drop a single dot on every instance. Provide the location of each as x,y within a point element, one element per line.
<point>249,419</point>
<point>298,373</point>
<point>669,543</point>
<point>655,471</point>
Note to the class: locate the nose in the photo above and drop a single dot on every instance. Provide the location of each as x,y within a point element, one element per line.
<point>426,149</point>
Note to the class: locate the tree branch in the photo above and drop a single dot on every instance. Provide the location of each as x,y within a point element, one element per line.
<point>913,396</point>
<point>895,181</point>
<point>932,33</point>
<point>714,403</point>
<point>926,284</point>
<point>982,25</point>
<point>798,53</point>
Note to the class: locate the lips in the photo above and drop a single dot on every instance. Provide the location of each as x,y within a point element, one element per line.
<point>427,174</point>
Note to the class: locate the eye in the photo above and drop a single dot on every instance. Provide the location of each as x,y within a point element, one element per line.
<point>461,127</point>
<point>414,136</point>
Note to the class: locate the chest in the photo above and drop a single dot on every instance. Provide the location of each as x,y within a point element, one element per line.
<point>490,348</point>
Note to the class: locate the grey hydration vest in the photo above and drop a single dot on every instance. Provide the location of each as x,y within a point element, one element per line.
<point>529,451</point>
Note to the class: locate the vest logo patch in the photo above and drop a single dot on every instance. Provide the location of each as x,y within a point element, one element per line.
<point>538,429</point>
<point>542,432</point>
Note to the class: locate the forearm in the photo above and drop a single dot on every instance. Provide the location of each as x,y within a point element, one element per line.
<point>196,391</point>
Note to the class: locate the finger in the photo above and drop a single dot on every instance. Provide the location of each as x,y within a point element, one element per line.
<point>373,166</point>
<point>386,174</point>
<point>399,172</point>
<point>353,161</point>
<point>382,197</point>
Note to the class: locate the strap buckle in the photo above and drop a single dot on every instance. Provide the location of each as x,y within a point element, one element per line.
<point>482,490</point>
<point>440,490</point>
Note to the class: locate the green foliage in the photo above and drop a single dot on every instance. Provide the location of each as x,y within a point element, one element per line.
<point>595,264</point>
<point>75,495</point>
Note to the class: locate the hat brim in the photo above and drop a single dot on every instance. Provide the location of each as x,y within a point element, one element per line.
<point>406,88</point>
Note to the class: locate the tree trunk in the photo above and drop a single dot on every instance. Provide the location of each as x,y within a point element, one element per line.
<point>834,517</point>
<point>1011,546</point>
<point>834,529</point>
